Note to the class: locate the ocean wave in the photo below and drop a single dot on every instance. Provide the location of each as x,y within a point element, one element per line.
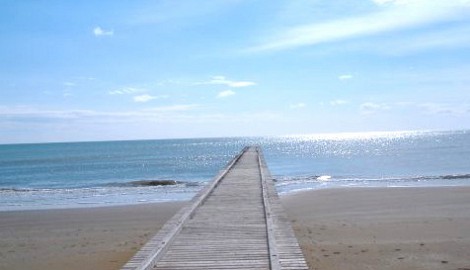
<point>37,198</point>
<point>16,190</point>
<point>286,180</point>
<point>130,184</point>
<point>287,184</point>
<point>457,176</point>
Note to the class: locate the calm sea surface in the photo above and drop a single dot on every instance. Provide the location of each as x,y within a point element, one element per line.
<point>66,175</point>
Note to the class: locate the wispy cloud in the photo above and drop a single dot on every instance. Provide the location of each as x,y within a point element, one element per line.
<point>345,77</point>
<point>67,93</point>
<point>15,112</point>
<point>299,105</point>
<point>411,14</point>
<point>70,84</point>
<point>439,108</point>
<point>338,102</point>
<point>422,3</point>
<point>429,108</point>
<point>226,93</point>
<point>371,108</point>
<point>398,2</point>
<point>98,32</point>
<point>143,98</point>
<point>222,80</point>
<point>173,108</point>
<point>126,91</point>
<point>33,113</point>
<point>140,95</point>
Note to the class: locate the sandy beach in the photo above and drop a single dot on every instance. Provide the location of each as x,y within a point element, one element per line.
<point>92,238</point>
<point>360,228</point>
<point>386,228</point>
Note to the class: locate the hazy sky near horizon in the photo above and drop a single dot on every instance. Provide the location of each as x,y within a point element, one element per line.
<point>112,70</point>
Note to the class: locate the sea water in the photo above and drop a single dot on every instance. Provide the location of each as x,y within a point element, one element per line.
<point>68,175</point>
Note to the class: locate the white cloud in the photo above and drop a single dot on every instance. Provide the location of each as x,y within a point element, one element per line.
<point>422,3</point>
<point>338,102</point>
<point>144,98</point>
<point>370,107</point>
<point>241,84</point>
<point>397,16</point>
<point>98,31</point>
<point>69,84</point>
<point>298,105</point>
<point>140,94</point>
<point>34,113</point>
<point>438,108</point>
<point>67,93</point>
<point>345,77</point>
<point>396,2</point>
<point>126,91</point>
<point>226,93</point>
<point>221,80</point>
<point>173,108</point>
<point>382,2</point>
<point>25,112</point>
<point>430,108</point>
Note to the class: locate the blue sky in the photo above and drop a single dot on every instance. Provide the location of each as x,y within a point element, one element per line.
<point>113,70</point>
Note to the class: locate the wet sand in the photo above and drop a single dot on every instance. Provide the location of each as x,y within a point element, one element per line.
<point>370,228</point>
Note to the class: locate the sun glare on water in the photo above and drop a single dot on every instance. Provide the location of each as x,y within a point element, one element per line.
<point>357,135</point>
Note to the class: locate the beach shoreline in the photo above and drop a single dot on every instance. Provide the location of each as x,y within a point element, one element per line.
<point>343,228</point>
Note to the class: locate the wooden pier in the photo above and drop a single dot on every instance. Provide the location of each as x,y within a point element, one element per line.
<point>236,222</point>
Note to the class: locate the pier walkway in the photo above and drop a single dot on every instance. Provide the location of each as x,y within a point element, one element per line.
<point>236,222</point>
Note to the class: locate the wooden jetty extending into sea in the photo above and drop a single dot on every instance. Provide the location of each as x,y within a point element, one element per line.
<point>235,222</point>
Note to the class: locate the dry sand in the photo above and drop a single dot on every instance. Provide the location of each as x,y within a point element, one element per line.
<point>393,228</point>
<point>92,238</point>
<point>386,228</point>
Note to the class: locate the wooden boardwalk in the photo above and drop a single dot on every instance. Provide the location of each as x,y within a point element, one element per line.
<point>236,222</point>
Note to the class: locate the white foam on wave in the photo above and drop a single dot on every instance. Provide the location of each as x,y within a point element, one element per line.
<point>93,197</point>
<point>324,178</point>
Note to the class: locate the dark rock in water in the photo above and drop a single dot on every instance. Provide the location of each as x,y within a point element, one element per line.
<point>151,183</point>
<point>456,176</point>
